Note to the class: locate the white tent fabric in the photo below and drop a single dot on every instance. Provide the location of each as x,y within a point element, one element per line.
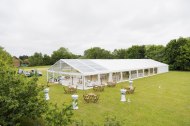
<point>95,66</point>
<point>128,64</point>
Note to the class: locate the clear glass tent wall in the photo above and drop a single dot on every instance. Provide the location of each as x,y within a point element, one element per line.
<point>63,73</point>
<point>61,66</point>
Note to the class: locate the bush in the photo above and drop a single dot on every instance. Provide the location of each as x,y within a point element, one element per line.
<point>56,117</point>
<point>20,97</point>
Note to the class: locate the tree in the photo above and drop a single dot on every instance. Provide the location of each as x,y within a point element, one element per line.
<point>120,53</point>
<point>183,60</point>
<point>74,56</point>
<point>177,54</point>
<point>5,57</point>
<point>46,60</point>
<point>23,57</point>
<point>19,97</point>
<point>136,52</point>
<point>25,62</point>
<point>61,53</point>
<point>155,52</point>
<point>36,59</point>
<point>97,53</point>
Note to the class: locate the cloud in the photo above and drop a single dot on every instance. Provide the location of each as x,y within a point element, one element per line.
<point>45,25</point>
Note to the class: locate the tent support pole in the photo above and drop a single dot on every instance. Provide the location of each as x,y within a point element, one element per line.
<point>143,72</point>
<point>53,76</point>
<point>99,79</point>
<point>83,81</point>
<point>47,76</point>
<point>121,79</point>
<point>130,75</point>
<point>110,77</point>
<point>149,72</point>
<point>137,73</point>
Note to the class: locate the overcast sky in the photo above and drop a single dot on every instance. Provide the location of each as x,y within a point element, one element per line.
<point>28,26</point>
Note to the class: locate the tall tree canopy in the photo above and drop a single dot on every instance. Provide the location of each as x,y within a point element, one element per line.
<point>47,60</point>
<point>155,52</point>
<point>177,54</point>
<point>24,60</point>
<point>61,53</point>
<point>136,52</point>
<point>23,57</point>
<point>97,53</point>
<point>120,53</point>
<point>36,59</point>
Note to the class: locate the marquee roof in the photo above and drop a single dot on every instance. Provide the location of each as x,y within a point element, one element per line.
<point>94,66</point>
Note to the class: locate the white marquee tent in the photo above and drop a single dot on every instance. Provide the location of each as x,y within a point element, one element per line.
<point>88,72</point>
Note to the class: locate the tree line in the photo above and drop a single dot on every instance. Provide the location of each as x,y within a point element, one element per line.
<point>176,53</point>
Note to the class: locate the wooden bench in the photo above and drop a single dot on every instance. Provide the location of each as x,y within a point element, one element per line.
<point>70,90</point>
<point>91,97</point>
<point>130,91</point>
<point>98,88</point>
<point>111,84</point>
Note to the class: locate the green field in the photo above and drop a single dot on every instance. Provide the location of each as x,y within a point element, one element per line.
<point>150,105</point>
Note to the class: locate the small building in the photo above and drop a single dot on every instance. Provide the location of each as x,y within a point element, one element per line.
<point>16,61</point>
<point>84,73</point>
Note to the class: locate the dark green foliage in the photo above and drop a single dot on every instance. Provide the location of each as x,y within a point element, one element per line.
<point>47,60</point>
<point>155,52</point>
<point>19,97</point>
<point>36,59</point>
<point>136,52</point>
<point>183,60</point>
<point>25,62</point>
<point>57,117</point>
<point>97,53</point>
<point>23,57</point>
<point>61,53</point>
<point>120,53</point>
<point>177,54</point>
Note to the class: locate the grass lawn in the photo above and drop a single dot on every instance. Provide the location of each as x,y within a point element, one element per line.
<point>150,105</point>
